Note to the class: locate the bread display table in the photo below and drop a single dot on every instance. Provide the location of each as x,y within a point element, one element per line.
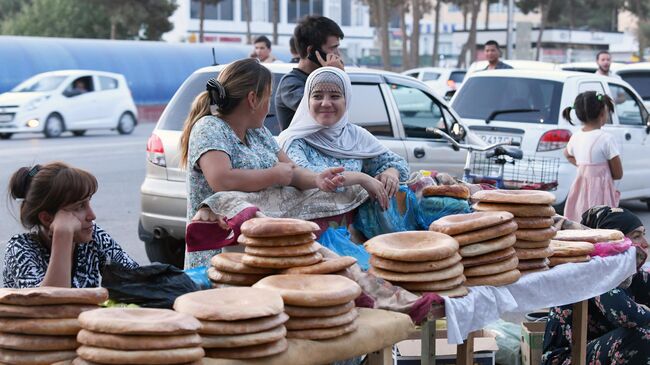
<point>378,330</point>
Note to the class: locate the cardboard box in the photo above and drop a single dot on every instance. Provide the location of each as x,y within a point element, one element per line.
<point>408,352</point>
<point>532,337</point>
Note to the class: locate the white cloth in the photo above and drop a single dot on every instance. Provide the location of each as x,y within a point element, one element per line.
<point>563,284</point>
<point>604,147</point>
<point>341,140</point>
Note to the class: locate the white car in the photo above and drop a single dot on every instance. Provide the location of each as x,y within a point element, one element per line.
<point>441,80</point>
<point>68,100</point>
<point>526,107</point>
<point>516,64</point>
<point>638,75</point>
<point>588,67</point>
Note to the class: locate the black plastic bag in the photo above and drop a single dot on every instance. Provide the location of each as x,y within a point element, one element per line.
<point>155,286</point>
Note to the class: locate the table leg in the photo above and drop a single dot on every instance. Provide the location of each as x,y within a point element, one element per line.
<point>579,347</point>
<point>465,351</point>
<point>428,343</point>
<point>381,357</point>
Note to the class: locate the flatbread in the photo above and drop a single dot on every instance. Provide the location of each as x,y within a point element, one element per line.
<point>463,223</point>
<point>277,227</point>
<point>409,267</point>
<point>56,327</point>
<point>456,292</point>
<point>282,262</point>
<point>230,304</point>
<point>283,251</point>
<point>533,253</point>
<point>137,342</point>
<point>455,191</point>
<point>80,361</point>
<point>419,277</point>
<point>493,268</point>
<point>412,246</point>
<point>536,234</point>
<point>532,244</point>
<point>248,339</point>
<point>233,278</point>
<point>559,260</point>
<point>518,210</point>
<point>281,241</point>
<point>312,290</point>
<point>534,222</point>
<point>526,272</point>
<point>34,357</point>
<point>242,326</point>
<point>45,295</point>
<point>327,266</point>
<point>488,258</point>
<point>486,234</point>
<point>170,356</point>
<point>514,196</point>
<point>294,324</point>
<point>533,264</point>
<point>250,352</point>
<point>500,279</point>
<point>12,341</point>
<point>485,247</point>
<point>307,312</point>
<point>323,333</point>
<point>433,286</point>
<point>589,235</point>
<point>232,262</point>
<point>574,248</point>
<point>138,321</point>
<point>44,311</point>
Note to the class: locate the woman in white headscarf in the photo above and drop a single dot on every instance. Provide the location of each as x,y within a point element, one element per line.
<point>321,136</point>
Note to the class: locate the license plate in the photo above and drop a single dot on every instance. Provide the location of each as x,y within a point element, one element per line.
<point>6,117</point>
<point>499,138</point>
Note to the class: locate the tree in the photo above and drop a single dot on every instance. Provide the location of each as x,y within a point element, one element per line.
<point>202,5</point>
<point>474,7</point>
<point>641,9</point>
<point>10,7</point>
<point>247,13</point>
<point>379,15</point>
<point>545,8</point>
<point>419,7</point>
<point>275,20</point>
<point>436,34</point>
<point>487,12</point>
<point>406,62</point>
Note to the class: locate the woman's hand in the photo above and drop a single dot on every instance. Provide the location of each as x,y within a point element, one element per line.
<point>330,179</point>
<point>390,180</point>
<point>284,172</point>
<point>206,214</point>
<point>64,222</point>
<point>376,189</point>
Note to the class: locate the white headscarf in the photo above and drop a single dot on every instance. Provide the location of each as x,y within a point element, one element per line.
<point>340,140</point>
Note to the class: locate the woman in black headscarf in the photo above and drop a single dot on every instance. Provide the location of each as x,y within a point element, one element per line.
<point>619,320</point>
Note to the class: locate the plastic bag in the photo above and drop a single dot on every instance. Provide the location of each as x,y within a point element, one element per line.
<point>432,208</point>
<point>156,285</point>
<point>199,276</point>
<point>338,240</point>
<point>400,216</point>
<point>508,335</point>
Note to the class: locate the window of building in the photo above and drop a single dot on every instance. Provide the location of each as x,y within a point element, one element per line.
<point>297,9</point>
<point>346,12</point>
<point>260,10</point>
<point>221,11</point>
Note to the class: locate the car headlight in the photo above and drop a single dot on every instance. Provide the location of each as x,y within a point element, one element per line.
<point>36,102</point>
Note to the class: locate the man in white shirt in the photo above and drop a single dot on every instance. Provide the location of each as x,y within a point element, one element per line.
<point>604,61</point>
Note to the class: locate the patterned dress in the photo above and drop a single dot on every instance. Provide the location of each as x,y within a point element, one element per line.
<point>618,327</point>
<point>26,260</point>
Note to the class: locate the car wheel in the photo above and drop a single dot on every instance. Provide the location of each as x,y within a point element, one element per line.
<point>6,135</point>
<point>53,126</point>
<point>79,133</point>
<point>126,124</point>
<point>166,250</point>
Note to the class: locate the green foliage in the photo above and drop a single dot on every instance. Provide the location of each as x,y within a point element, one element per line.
<point>11,7</point>
<point>577,14</point>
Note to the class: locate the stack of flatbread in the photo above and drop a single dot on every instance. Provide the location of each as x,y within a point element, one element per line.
<point>418,261</point>
<point>319,306</point>
<point>39,325</point>
<point>238,323</point>
<point>138,336</point>
<point>485,240</point>
<point>279,243</point>
<point>228,269</point>
<point>576,245</point>
<point>453,191</point>
<point>329,265</point>
<point>533,213</point>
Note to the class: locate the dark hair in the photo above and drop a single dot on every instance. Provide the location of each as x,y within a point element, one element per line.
<point>223,95</point>
<point>264,39</point>
<point>588,106</point>
<point>601,52</point>
<point>48,188</point>
<point>292,45</point>
<point>313,30</point>
<point>491,43</point>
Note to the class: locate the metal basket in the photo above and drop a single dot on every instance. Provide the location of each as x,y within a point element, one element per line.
<point>529,173</point>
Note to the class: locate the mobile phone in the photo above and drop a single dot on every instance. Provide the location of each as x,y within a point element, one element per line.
<point>312,56</point>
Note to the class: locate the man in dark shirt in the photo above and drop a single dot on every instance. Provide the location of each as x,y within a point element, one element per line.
<point>492,53</point>
<point>311,34</point>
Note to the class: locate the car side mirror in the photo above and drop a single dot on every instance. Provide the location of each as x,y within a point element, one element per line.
<point>457,132</point>
<point>647,125</point>
<point>449,94</point>
<point>71,92</point>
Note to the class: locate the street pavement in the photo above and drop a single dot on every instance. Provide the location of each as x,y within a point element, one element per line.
<point>118,162</point>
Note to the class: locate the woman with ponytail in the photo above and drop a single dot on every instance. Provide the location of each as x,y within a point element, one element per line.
<point>596,155</point>
<point>64,247</point>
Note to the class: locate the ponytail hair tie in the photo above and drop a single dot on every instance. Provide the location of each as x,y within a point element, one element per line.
<point>217,94</point>
<point>599,97</point>
<point>33,171</point>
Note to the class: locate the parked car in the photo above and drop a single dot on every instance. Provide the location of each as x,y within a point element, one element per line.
<point>587,67</point>
<point>638,75</point>
<point>68,100</point>
<point>516,64</point>
<point>441,80</point>
<point>383,103</point>
<point>529,111</point>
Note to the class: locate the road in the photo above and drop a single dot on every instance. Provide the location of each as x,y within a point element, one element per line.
<point>118,162</point>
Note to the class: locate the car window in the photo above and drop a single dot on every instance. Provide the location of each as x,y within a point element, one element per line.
<point>527,100</point>
<point>594,86</point>
<point>626,106</point>
<point>42,84</point>
<point>79,86</point>
<point>457,76</point>
<point>430,76</point>
<point>640,81</point>
<point>107,83</point>
<point>418,111</point>
<point>413,74</point>
<point>369,110</point>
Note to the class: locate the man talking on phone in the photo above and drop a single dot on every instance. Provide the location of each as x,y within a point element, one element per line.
<point>317,40</point>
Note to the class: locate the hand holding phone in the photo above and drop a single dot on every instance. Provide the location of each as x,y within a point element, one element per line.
<point>325,59</point>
